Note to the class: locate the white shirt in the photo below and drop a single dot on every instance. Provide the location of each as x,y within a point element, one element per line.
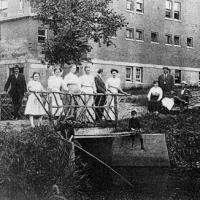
<point>72,79</point>
<point>116,82</point>
<point>55,83</point>
<point>87,83</point>
<point>157,91</point>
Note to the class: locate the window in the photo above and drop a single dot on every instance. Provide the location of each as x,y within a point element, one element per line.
<point>177,10</point>
<point>129,5</point>
<point>130,33</point>
<point>154,37</point>
<point>189,42</point>
<point>139,74</point>
<point>21,5</point>
<point>177,76</point>
<point>199,79</point>
<point>42,35</point>
<point>168,10</point>
<point>177,40</point>
<point>129,74</point>
<point>139,35</point>
<point>168,38</point>
<point>140,6</point>
<point>3,4</point>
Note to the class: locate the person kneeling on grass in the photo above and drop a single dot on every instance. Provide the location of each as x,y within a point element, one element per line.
<point>135,128</point>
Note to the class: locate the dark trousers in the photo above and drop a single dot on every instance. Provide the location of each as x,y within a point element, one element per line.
<point>17,102</point>
<point>100,100</point>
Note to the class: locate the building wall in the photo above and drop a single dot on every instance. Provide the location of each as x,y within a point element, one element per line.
<point>145,52</point>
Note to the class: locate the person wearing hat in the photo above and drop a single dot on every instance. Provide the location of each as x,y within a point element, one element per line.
<point>17,84</point>
<point>182,96</point>
<point>113,85</point>
<point>166,81</point>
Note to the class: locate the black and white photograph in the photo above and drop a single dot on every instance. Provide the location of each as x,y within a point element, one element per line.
<point>99,99</point>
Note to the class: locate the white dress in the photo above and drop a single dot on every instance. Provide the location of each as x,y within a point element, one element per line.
<point>55,84</point>
<point>33,105</point>
<point>87,86</point>
<point>72,83</point>
<point>111,83</point>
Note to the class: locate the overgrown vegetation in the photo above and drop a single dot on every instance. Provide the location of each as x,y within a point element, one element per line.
<point>35,164</point>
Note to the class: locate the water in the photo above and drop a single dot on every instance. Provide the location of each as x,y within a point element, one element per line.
<point>150,184</point>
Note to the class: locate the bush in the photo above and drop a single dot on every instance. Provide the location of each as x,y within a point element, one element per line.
<point>35,160</point>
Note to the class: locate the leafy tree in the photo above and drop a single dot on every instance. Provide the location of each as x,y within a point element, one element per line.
<point>75,25</point>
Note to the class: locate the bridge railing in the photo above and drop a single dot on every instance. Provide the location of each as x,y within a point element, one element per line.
<point>86,109</point>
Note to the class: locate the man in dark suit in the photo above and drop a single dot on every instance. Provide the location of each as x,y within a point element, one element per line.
<point>166,81</point>
<point>17,84</point>
<point>100,99</point>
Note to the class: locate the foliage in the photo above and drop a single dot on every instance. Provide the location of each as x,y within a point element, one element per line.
<point>35,160</point>
<point>182,134</point>
<point>75,24</point>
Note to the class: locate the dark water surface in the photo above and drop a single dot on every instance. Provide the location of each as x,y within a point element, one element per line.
<point>149,184</point>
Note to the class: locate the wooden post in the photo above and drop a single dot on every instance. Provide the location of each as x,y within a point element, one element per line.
<point>0,106</point>
<point>116,111</point>
<point>50,108</point>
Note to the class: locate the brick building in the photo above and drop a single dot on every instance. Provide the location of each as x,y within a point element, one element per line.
<point>160,33</point>
<point>21,38</point>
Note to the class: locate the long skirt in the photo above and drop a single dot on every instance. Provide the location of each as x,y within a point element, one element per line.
<point>34,106</point>
<point>57,104</point>
<point>154,105</point>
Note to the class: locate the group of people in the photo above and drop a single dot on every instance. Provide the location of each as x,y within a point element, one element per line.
<point>72,84</point>
<point>162,95</point>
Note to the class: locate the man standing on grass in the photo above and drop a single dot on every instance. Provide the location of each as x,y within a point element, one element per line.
<point>166,81</point>
<point>17,84</point>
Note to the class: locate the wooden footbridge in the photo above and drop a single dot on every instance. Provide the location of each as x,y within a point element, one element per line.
<point>92,115</point>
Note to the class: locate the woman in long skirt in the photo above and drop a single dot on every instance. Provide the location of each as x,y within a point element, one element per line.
<point>34,106</point>
<point>154,97</point>
<point>55,84</point>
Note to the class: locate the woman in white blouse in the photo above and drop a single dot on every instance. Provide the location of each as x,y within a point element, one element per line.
<point>87,87</point>
<point>55,84</point>
<point>113,85</point>
<point>154,97</point>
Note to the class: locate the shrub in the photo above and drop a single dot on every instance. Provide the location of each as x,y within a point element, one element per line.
<point>36,159</point>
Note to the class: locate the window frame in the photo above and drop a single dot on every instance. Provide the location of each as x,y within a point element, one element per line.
<point>141,5</point>
<point>3,7</point>
<point>178,36</point>
<point>177,79</point>
<point>129,5</point>
<point>140,79</point>
<point>169,10</point>
<point>142,34</point>
<point>192,42</point>
<point>166,41</point>
<point>156,34</point>
<point>45,36</point>
<point>130,79</point>
<point>131,30</point>
<point>177,11</point>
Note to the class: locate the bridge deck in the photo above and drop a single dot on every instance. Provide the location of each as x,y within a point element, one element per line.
<point>95,132</point>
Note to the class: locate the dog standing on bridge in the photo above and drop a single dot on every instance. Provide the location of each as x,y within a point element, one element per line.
<point>135,128</point>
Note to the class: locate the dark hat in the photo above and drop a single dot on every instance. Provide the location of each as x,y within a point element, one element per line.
<point>114,70</point>
<point>133,112</point>
<point>99,70</point>
<point>16,67</point>
<point>166,68</point>
<point>155,81</point>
